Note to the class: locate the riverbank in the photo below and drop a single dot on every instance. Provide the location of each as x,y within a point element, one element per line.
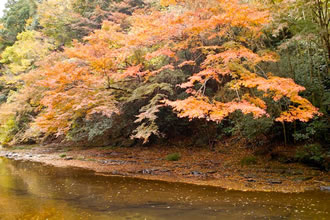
<point>229,167</point>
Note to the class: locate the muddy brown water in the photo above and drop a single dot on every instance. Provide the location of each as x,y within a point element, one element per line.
<point>34,191</point>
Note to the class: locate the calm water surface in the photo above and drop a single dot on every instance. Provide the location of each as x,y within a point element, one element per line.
<point>34,191</point>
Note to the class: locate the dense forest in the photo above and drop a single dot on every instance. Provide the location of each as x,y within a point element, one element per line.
<point>190,72</point>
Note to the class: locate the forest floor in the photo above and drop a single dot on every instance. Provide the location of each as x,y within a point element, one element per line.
<point>228,167</point>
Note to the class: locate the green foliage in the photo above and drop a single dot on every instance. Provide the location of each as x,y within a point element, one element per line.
<point>147,90</point>
<point>62,155</point>
<point>248,160</point>
<point>57,18</point>
<point>313,154</point>
<point>147,116</point>
<point>89,129</point>
<point>254,130</point>
<point>302,39</point>
<point>15,18</point>
<point>173,157</point>
<point>65,20</point>
<point>154,91</point>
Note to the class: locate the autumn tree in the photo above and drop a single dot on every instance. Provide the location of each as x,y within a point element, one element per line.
<point>226,48</point>
<point>219,50</point>
<point>200,60</point>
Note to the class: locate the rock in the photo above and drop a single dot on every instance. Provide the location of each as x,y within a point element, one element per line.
<point>164,170</point>
<point>251,180</point>
<point>325,188</point>
<point>196,173</point>
<point>302,178</point>
<point>325,179</point>
<point>115,172</point>
<point>211,171</point>
<point>147,171</point>
<point>249,185</point>
<point>294,172</point>
<point>275,181</point>
<point>11,155</point>
<point>249,176</point>
<point>113,162</point>
<point>68,158</point>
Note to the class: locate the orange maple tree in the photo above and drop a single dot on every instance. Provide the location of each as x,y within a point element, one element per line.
<point>227,34</point>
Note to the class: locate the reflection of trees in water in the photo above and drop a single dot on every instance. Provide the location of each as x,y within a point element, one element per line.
<point>13,202</point>
<point>21,191</point>
<point>39,181</point>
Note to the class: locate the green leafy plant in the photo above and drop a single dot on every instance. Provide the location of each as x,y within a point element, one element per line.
<point>252,129</point>
<point>312,154</point>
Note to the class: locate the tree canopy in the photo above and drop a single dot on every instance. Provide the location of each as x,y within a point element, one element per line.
<point>160,66</point>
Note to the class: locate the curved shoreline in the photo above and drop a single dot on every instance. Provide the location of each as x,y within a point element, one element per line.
<point>230,178</point>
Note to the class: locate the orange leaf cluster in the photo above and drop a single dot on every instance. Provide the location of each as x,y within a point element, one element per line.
<point>201,107</point>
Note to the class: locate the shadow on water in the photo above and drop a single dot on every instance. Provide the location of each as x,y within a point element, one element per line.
<point>33,191</point>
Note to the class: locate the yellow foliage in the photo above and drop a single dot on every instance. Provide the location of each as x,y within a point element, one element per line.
<point>30,47</point>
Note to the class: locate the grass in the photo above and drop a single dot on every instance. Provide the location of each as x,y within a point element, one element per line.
<point>173,157</point>
<point>62,155</point>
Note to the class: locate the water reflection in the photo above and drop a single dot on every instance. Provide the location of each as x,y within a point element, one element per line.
<point>33,191</point>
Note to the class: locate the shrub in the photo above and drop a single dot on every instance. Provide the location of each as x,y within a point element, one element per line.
<point>313,154</point>
<point>254,130</point>
<point>317,130</point>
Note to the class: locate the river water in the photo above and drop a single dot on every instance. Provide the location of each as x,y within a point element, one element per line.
<point>35,191</point>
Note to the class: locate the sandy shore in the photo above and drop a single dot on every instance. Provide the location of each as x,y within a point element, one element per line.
<point>196,166</point>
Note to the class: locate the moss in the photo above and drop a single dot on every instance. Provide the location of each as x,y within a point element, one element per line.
<point>173,157</point>
<point>62,155</point>
<point>248,160</point>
